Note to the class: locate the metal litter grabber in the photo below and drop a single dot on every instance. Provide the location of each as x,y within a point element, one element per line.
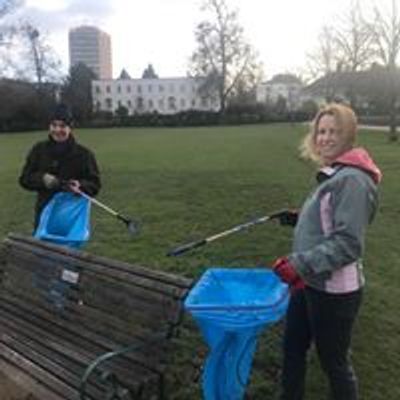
<point>188,246</point>
<point>132,225</point>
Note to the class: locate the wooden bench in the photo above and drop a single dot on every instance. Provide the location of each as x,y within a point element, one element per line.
<point>77,326</point>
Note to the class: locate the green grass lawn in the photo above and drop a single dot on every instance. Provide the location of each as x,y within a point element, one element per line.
<point>186,184</point>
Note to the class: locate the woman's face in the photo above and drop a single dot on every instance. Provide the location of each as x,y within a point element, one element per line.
<point>329,141</point>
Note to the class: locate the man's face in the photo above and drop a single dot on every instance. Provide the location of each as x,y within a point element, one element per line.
<point>59,130</point>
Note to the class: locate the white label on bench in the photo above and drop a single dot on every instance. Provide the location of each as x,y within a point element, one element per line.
<point>70,276</point>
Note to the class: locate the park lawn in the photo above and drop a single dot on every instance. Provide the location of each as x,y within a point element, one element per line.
<point>184,184</point>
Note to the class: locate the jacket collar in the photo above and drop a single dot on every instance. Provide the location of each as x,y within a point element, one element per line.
<point>327,172</point>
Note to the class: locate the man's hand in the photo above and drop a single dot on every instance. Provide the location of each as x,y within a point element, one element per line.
<point>50,181</point>
<point>289,217</point>
<point>74,186</point>
<point>288,274</point>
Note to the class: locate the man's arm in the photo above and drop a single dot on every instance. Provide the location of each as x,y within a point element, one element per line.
<point>90,182</point>
<point>31,178</point>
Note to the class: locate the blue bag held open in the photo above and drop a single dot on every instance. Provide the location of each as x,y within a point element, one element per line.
<point>232,306</point>
<point>65,220</point>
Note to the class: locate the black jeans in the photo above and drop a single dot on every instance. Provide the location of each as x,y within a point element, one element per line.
<point>327,319</point>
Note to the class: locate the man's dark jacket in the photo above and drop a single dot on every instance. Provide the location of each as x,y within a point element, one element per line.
<point>66,160</point>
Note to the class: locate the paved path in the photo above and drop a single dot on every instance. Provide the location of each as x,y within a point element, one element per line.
<point>374,128</point>
<point>379,128</point>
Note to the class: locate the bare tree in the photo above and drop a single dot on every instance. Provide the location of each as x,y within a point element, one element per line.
<point>7,6</point>
<point>353,43</point>
<point>353,40</point>
<point>32,58</point>
<point>77,91</point>
<point>37,51</point>
<point>385,30</point>
<point>324,62</point>
<point>7,31</point>
<point>223,56</point>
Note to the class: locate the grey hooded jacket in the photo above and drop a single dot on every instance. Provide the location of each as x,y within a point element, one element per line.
<point>329,237</point>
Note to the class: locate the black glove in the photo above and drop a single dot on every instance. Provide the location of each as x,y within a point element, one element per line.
<point>289,217</point>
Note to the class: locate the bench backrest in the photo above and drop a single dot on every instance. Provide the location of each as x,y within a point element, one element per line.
<point>111,299</point>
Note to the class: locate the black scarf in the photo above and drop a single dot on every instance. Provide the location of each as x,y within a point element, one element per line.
<point>60,149</point>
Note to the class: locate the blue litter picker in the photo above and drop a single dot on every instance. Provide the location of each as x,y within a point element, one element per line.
<point>232,306</point>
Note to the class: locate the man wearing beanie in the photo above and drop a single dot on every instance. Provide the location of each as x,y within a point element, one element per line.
<point>59,163</point>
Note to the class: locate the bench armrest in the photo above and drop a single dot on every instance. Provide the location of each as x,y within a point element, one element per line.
<point>108,356</point>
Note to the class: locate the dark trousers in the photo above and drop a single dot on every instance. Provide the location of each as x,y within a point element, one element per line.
<point>327,320</point>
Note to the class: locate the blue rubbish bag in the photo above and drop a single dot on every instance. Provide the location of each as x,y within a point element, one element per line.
<point>65,220</point>
<point>232,306</point>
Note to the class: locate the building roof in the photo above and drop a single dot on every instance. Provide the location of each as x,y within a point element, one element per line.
<point>149,73</point>
<point>285,78</point>
<point>124,75</point>
<point>340,81</point>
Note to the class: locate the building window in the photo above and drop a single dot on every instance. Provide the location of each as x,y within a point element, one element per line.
<point>128,89</point>
<point>119,103</point>
<point>183,103</point>
<point>98,90</point>
<point>171,103</point>
<point>161,88</point>
<point>98,106</point>
<point>193,103</point>
<point>204,102</point>
<point>119,89</point>
<point>149,88</point>
<point>139,89</point>
<point>139,104</point>
<point>129,103</point>
<point>108,89</point>
<point>109,103</point>
<point>151,104</point>
<point>161,104</point>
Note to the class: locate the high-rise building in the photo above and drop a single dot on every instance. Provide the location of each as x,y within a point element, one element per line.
<point>91,46</point>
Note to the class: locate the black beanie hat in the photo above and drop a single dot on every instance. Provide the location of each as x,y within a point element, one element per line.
<point>61,112</point>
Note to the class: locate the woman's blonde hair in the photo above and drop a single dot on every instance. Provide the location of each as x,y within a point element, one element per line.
<point>346,121</point>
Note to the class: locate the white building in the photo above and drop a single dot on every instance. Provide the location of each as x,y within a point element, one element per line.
<point>92,47</point>
<point>161,95</point>
<point>282,86</point>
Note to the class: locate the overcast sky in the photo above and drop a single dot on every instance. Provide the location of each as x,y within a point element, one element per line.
<point>161,32</point>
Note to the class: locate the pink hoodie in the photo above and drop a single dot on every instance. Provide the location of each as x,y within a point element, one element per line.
<point>359,157</point>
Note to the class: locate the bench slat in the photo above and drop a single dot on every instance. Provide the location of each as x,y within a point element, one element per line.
<point>71,357</point>
<point>164,277</point>
<point>31,256</point>
<point>121,301</point>
<point>30,352</point>
<point>85,337</point>
<point>60,309</point>
<point>55,388</point>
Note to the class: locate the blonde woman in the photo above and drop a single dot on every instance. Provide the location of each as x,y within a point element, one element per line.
<point>324,269</point>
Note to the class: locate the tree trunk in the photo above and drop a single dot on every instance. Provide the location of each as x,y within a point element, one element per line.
<point>393,137</point>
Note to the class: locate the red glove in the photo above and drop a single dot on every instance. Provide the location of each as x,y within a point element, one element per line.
<point>288,274</point>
